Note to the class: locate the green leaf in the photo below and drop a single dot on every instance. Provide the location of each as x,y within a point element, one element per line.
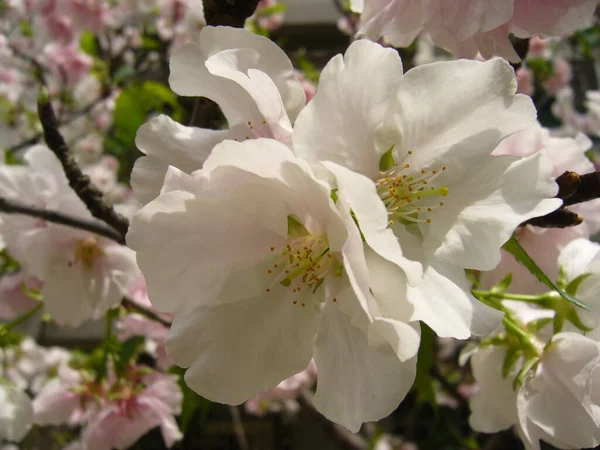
<point>88,43</point>
<point>512,356</point>
<point>573,286</point>
<point>387,161</point>
<point>130,114</point>
<point>514,248</point>
<point>503,285</point>
<point>192,403</point>
<point>423,381</point>
<point>129,349</point>
<point>122,73</point>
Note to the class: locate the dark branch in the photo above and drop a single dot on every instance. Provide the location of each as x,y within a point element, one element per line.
<point>561,218</point>
<point>588,189</point>
<point>131,306</point>
<point>231,13</point>
<point>12,207</point>
<point>572,189</point>
<point>89,194</point>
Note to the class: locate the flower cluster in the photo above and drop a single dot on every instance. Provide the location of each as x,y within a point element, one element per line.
<point>465,28</point>
<point>342,223</point>
<point>299,247</point>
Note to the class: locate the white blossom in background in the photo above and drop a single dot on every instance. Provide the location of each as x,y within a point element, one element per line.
<point>248,76</point>
<point>411,156</point>
<point>468,27</point>
<point>290,279</point>
<point>16,413</point>
<point>84,275</point>
<point>558,401</point>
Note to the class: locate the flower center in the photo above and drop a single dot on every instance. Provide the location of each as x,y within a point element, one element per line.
<point>87,252</point>
<point>302,265</point>
<point>409,195</point>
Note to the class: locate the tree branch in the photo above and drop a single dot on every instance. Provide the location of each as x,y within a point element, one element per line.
<point>132,306</point>
<point>231,13</point>
<point>87,192</point>
<point>572,189</point>
<point>12,207</point>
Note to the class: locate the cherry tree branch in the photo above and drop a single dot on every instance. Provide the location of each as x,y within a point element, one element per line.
<point>12,207</point>
<point>131,306</point>
<point>572,189</point>
<point>231,13</point>
<point>87,192</point>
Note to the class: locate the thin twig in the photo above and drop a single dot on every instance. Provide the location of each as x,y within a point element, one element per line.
<point>11,207</point>
<point>134,307</point>
<point>87,192</point>
<point>449,388</point>
<point>238,428</point>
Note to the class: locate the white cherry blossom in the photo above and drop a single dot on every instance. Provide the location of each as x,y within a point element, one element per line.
<point>283,266</point>
<point>248,76</point>
<point>16,414</point>
<point>83,274</point>
<point>411,156</point>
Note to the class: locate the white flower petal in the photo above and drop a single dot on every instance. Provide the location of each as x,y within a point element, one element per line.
<point>360,194</point>
<point>201,254</point>
<point>265,340</point>
<point>357,382</point>
<point>469,116</point>
<point>189,75</point>
<point>168,143</point>
<point>494,407</point>
<point>489,198</point>
<point>16,414</point>
<point>341,121</point>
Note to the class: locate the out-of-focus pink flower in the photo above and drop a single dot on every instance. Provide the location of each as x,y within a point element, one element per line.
<point>467,27</point>
<point>561,78</point>
<point>280,396</point>
<point>309,88</point>
<point>524,81</point>
<point>138,325</point>
<point>63,400</point>
<point>67,62</point>
<point>539,47</point>
<point>13,299</point>
<point>120,422</point>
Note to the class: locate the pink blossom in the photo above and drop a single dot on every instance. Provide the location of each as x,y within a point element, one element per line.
<point>63,400</point>
<point>561,78</point>
<point>524,81</point>
<point>13,299</point>
<point>288,390</point>
<point>139,325</point>
<point>466,27</point>
<point>119,423</point>
<point>309,88</point>
<point>67,62</point>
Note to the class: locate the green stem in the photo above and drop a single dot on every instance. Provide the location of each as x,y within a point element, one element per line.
<point>23,317</point>
<point>509,296</point>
